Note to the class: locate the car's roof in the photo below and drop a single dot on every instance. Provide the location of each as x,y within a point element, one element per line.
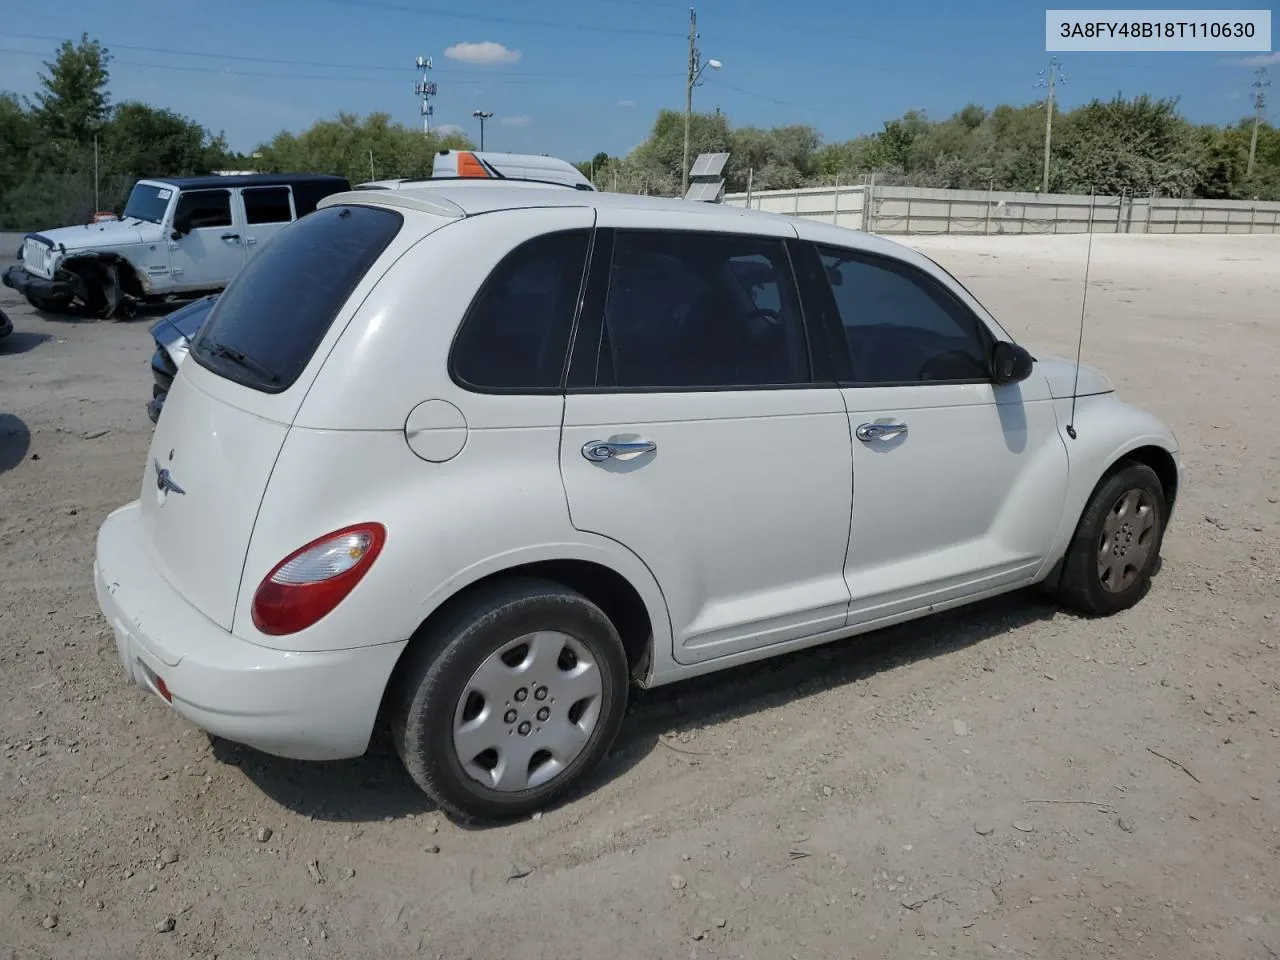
<point>454,199</point>
<point>248,180</point>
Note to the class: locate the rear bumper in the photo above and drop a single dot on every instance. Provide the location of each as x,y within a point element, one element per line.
<point>30,285</point>
<point>305,706</point>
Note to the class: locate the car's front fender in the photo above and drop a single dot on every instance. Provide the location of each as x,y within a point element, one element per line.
<point>1107,430</point>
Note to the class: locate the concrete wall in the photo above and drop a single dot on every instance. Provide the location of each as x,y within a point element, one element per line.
<point>920,210</point>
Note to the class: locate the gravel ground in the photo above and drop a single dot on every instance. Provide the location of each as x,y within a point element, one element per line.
<point>1006,780</point>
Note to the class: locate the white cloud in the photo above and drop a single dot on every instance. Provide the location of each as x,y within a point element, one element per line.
<point>447,128</point>
<point>516,121</point>
<point>486,52</point>
<point>1261,60</point>
<point>626,103</point>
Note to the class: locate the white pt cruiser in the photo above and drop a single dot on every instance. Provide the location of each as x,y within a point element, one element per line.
<point>474,458</point>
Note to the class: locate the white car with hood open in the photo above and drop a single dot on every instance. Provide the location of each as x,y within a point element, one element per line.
<point>476,458</point>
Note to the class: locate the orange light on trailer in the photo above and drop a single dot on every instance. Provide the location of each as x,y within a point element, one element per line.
<point>470,166</point>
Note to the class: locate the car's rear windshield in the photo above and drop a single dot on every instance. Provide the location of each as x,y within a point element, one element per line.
<point>271,318</point>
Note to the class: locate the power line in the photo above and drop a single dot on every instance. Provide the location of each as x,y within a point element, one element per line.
<point>784,103</point>
<point>490,18</point>
<point>325,64</point>
<point>463,76</point>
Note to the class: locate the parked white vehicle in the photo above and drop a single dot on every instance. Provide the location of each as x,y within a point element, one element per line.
<point>515,169</point>
<point>482,456</point>
<point>176,238</point>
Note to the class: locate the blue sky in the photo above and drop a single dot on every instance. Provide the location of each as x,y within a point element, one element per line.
<point>570,77</point>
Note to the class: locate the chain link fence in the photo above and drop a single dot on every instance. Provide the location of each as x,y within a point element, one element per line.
<point>47,200</point>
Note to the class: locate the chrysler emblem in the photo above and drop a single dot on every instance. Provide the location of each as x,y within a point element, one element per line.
<point>164,480</point>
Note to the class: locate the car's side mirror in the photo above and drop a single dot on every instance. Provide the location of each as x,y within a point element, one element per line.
<point>1010,363</point>
<point>181,227</point>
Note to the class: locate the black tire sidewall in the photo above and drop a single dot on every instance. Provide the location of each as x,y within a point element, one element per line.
<point>1081,581</point>
<point>424,731</point>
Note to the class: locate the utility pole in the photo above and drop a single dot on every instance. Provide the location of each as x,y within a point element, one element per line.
<point>1049,78</point>
<point>688,96</point>
<point>1260,85</point>
<point>483,117</point>
<point>426,89</point>
<point>692,78</point>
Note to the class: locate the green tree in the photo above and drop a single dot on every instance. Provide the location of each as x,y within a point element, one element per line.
<point>147,141</point>
<point>73,104</point>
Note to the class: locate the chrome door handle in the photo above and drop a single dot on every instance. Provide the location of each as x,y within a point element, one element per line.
<point>251,240</point>
<point>880,431</point>
<point>231,236</point>
<point>598,451</point>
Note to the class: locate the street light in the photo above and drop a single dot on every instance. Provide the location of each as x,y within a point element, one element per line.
<point>483,117</point>
<point>695,77</point>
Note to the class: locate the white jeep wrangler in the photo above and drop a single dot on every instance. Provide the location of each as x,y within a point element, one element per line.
<point>175,239</point>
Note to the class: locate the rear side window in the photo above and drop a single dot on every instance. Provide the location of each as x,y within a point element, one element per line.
<point>267,205</point>
<point>696,311</point>
<point>516,333</point>
<point>271,318</point>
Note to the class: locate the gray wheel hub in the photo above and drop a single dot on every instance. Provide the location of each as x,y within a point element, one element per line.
<point>528,711</point>
<point>1128,535</point>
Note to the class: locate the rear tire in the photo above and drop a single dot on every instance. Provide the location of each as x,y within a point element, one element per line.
<point>1116,546</point>
<point>511,701</point>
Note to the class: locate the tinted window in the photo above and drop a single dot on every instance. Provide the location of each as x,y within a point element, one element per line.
<point>900,325</point>
<point>205,208</point>
<point>267,205</point>
<point>307,193</point>
<point>701,310</point>
<point>270,319</point>
<point>147,202</point>
<point>517,331</point>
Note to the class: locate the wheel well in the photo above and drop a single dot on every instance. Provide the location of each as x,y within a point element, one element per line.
<point>1161,462</point>
<point>608,590</point>
<point>91,268</point>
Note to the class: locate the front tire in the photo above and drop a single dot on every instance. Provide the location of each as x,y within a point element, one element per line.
<point>1116,547</point>
<point>510,701</point>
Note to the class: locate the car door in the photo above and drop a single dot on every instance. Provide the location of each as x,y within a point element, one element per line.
<point>205,246</point>
<point>703,434</point>
<point>267,211</point>
<point>958,482</point>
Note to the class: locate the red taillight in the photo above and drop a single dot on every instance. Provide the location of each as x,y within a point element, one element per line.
<point>311,581</point>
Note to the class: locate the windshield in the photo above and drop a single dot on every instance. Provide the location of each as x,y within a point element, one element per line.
<point>269,321</point>
<point>148,202</point>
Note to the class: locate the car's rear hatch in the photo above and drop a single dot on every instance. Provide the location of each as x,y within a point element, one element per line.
<point>238,391</point>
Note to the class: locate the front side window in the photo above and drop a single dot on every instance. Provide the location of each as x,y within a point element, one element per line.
<point>267,205</point>
<point>516,333</point>
<point>204,208</point>
<point>701,310</point>
<point>901,327</point>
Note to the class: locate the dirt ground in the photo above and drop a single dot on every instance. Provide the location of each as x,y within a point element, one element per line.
<point>1004,781</point>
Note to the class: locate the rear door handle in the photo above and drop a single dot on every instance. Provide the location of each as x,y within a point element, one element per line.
<point>251,240</point>
<point>871,432</point>
<point>231,236</point>
<point>598,451</point>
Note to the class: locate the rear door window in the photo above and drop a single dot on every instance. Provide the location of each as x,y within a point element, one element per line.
<point>271,318</point>
<point>267,205</point>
